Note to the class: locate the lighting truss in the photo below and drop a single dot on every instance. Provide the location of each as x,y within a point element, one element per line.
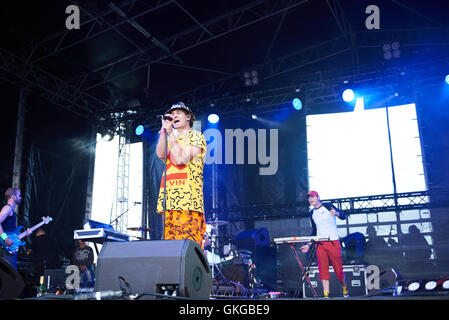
<point>368,204</point>
<point>27,75</point>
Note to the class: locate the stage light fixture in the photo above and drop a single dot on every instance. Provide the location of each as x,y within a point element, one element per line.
<point>254,116</point>
<point>107,135</point>
<point>414,286</point>
<point>213,118</point>
<point>348,95</point>
<point>446,285</point>
<point>297,104</point>
<point>391,50</point>
<point>251,78</point>
<point>447,79</point>
<point>139,129</point>
<point>431,285</point>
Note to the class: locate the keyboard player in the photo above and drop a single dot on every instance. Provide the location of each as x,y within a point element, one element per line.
<point>324,226</point>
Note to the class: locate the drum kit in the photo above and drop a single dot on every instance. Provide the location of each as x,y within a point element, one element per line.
<point>220,261</point>
<point>211,245</point>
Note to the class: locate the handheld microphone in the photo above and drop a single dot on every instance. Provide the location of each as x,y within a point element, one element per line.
<point>160,116</point>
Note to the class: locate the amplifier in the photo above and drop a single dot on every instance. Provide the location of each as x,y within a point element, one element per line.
<point>55,279</point>
<point>355,276</point>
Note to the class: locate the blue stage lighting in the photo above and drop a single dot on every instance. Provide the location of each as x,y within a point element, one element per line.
<point>297,104</point>
<point>359,105</point>
<point>348,95</point>
<point>213,118</point>
<point>447,79</point>
<point>139,129</point>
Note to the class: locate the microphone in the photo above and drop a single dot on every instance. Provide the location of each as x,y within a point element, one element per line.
<point>160,116</point>
<point>100,295</point>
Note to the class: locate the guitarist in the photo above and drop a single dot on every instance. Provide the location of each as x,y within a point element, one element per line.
<point>8,222</point>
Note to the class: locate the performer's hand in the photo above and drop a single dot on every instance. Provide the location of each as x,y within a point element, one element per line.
<point>28,232</point>
<point>334,212</point>
<point>304,248</point>
<point>9,242</point>
<point>167,125</point>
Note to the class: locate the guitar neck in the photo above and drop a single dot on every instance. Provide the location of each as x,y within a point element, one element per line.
<point>23,234</point>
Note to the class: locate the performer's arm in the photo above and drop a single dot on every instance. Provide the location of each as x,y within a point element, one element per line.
<point>306,247</point>
<point>313,228</point>
<point>166,129</point>
<point>4,213</point>
<point>181,156</point>
<point>335,212</point>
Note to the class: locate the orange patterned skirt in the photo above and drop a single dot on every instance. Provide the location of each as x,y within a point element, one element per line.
<point>185,224</point>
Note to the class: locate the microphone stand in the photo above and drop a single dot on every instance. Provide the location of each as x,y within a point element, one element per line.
<point>164,202</point>
<point>121,214</point>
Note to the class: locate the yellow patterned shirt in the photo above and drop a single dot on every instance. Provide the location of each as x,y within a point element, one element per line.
<point>185,182</point>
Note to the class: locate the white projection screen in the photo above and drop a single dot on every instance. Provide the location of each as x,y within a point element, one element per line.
<point>349,153</point>
<point>105,182</point>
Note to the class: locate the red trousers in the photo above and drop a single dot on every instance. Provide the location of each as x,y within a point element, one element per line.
<point>329,251</point>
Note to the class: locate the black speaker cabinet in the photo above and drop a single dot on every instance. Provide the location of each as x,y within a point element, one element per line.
<point>155,266</point>
<point>11,282</point>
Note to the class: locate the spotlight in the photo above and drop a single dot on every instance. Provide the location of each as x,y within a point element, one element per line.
<point>139,129</point>
<point>431,285</point>
<point>446,285</point>
<point>413,286</point>
<point>348,95</point>
<point>254,116</point>
<point>107,135</point>
<point>213,118</point>
<point>251,78</point>
<point>422,287</point>
<point>447,79</point>
<point>388,48</point>
<point>297,104</point>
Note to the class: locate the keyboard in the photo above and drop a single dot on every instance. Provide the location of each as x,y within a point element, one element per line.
<point>99,235</point>
<point>298,239</point>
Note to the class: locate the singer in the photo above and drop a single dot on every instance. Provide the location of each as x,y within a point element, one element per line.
<point>184,214</point>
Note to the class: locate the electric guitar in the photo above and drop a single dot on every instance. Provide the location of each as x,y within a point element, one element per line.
<point>16,236</point>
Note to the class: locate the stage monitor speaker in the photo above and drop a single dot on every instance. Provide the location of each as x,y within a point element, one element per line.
<point>11,282</point>
<point>155,266</point>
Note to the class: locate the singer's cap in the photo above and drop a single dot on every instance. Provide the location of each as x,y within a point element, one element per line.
<point>179,105</point>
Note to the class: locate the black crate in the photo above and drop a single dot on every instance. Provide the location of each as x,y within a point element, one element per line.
<point>355,276</point>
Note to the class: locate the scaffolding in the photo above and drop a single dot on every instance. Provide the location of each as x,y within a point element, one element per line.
<point>119,214</point>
